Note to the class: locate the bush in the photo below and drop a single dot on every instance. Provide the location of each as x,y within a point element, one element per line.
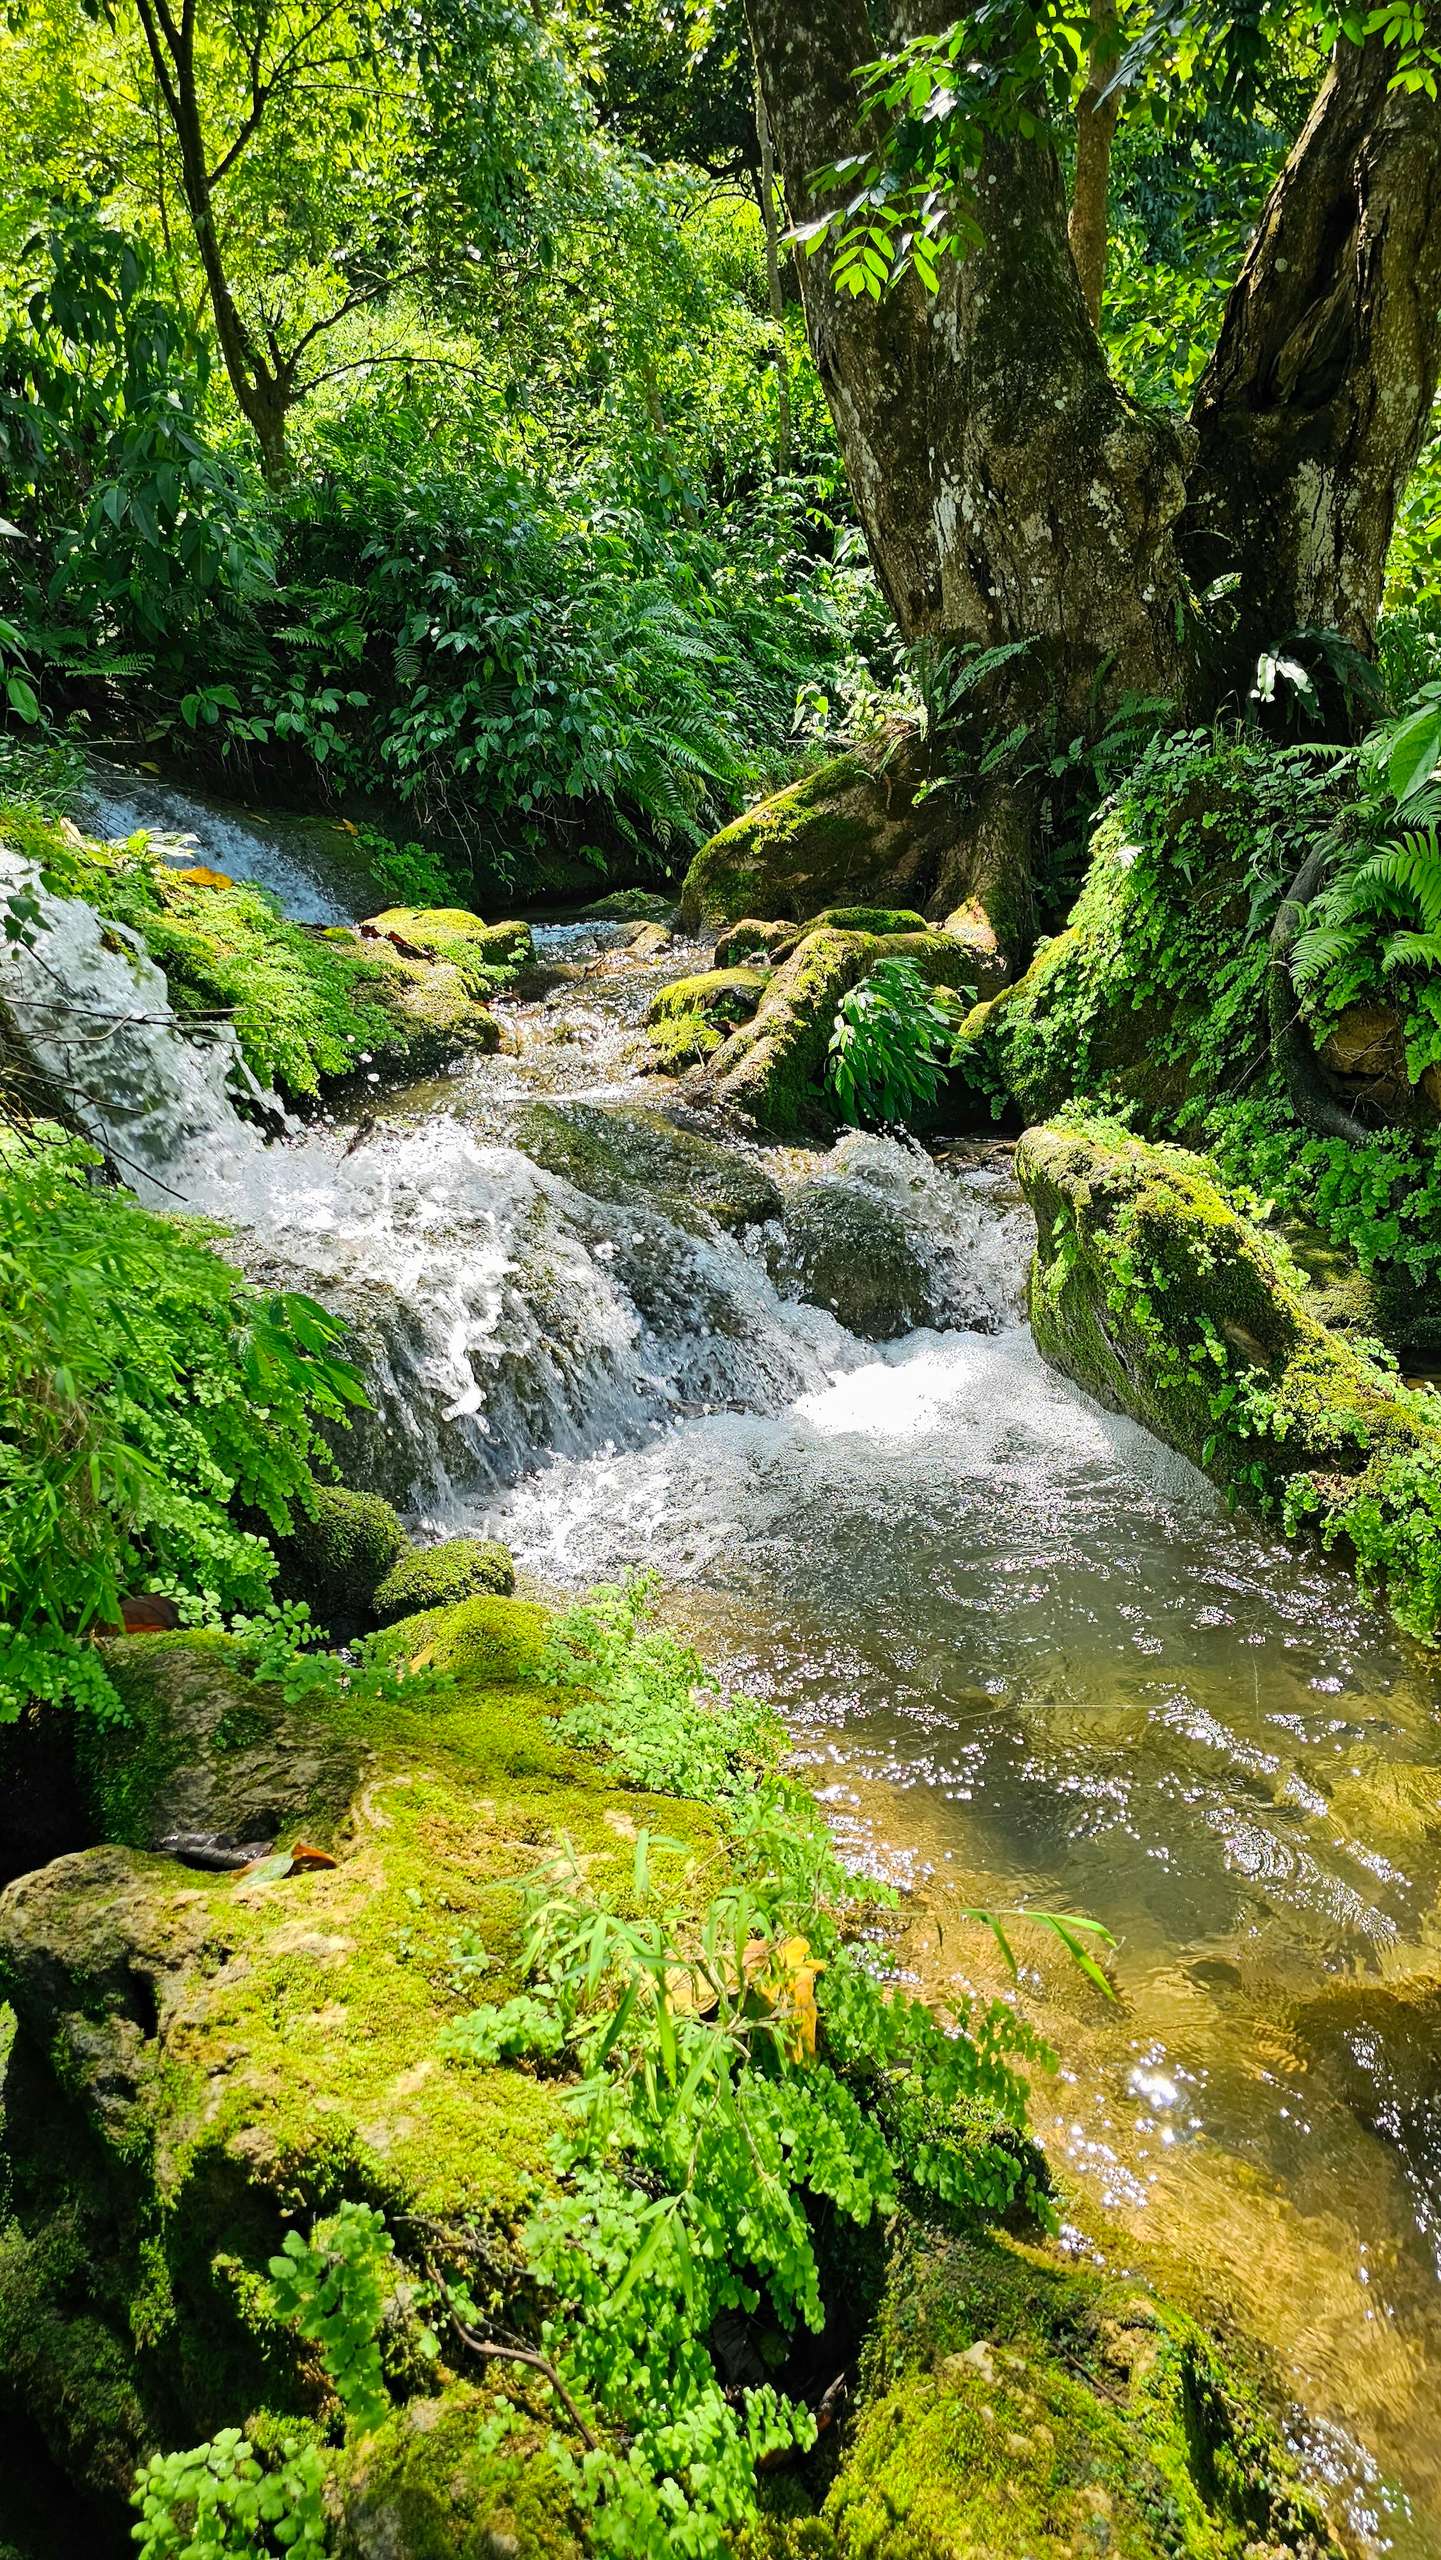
<point>146,1394</point>
<point>890,1046</point>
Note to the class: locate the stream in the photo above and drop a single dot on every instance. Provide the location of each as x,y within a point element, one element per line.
<point>1024,1654</point>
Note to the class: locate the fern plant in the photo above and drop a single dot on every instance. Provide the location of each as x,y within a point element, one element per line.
<point>890,1047</point>
<point>1375,932</point>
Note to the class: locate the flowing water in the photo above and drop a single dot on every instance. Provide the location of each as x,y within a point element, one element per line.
<point>1025,1655</point>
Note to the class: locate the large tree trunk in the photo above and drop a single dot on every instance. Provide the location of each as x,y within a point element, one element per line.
<point>1007,486</point>
<point>1313,408</point>
<point>1009,489</point>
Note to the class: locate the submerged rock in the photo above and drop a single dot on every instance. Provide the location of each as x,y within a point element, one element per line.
<point>638,1157</point>
<point>1152,1292</point>
<point>849,1247</point>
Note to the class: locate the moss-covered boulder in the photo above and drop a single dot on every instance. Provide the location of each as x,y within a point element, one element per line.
<point>202,2061</point>
<point>484,954</point>
<point>1153,1292</point>
<point>639,1158</point>
<point>632,906</point>
<point>850,834</point>
<point>1015,2408</point>
<point>754,939</point>
<point>436,1577</point>
<point>208,1755</point>
<point>338,1556</point>
<point>719,996</point>
<point>310,1009</point>
<point>773,1068</point>
<point>853,920</point>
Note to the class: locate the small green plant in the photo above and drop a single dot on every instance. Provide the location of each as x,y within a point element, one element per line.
<point>219,2498</point>
<point>145,1389</point>
<point>744,2084</point>
<point>335,2289</point>
<point>890,1047</point>
<point>644,1696</point>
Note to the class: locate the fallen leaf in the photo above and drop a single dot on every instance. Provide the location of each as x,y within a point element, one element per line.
<point>302,1855</point>
<point>200,876</point>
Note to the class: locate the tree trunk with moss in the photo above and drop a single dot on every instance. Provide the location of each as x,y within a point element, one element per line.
<point>1009,488</point>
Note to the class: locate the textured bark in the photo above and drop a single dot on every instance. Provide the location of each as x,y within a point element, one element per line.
<point>1007,486</point>
<point>1313,409</point>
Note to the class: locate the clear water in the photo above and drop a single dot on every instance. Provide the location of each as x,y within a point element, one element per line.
<point>1025,1656</point>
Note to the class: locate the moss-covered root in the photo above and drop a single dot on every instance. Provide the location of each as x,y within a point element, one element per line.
<point>773,1068</point>
<point>1155,1294</point>
<point>1015,2409</point>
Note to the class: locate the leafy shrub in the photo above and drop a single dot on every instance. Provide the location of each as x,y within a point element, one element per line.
<point>334,2288</point>
<point>745,2084</point>
<point>890,1047</point>
<point>1374,933</point>
<point>145,1388</point>
<point>219,2498</point>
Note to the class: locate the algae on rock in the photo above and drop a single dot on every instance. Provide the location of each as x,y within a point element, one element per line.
<point>1155,1294</point>
<point>637,1157</point>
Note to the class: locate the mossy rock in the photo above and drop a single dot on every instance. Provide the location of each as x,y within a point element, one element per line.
<point>1013,2408</point>
<point>632,906</point>
<point>436,1577</point>
<point>850,834</point>
<point>338,1556</point>
<point>773,1068</point>
<point>428,2485</point>
<point>201,2061</point>
<point>309,1011</point>
<point>751,941</point>
<point>485,954</point>
<point>853,920</point>
<point>637,1157</point>
<point>719,996</point>
<point>1157,1296</point>
<point>208,1752</point>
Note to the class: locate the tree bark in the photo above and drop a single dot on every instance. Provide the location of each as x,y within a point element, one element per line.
<point>1313,409</point>
<point>262,391</point>
<point>1008,487</point>
<point>773,283</point>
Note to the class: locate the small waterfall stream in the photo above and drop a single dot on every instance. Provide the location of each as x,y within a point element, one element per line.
<point>1024,1655</point>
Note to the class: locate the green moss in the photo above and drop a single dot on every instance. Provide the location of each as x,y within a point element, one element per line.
<point>307,1009</point>
<point>436,1577</point>
<point>685,1040</point>
<point>641,1158</point>
<point>435,2484</point>
<point>633,906</point>
<point>718,995</point>
<point>868,920</point>
<point>485,954</point>
<point>1158,1296</point>
<point>751,867</point>
<point>338,1557</point>
<point>753,939</point>
<point>1015,2409</point>
<point>199,2056</point>
<point>773,1068</point>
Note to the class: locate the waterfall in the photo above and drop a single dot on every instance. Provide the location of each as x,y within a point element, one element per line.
<point>308,865</point>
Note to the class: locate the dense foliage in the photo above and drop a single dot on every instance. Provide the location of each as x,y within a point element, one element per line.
<point>145,1389</point>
